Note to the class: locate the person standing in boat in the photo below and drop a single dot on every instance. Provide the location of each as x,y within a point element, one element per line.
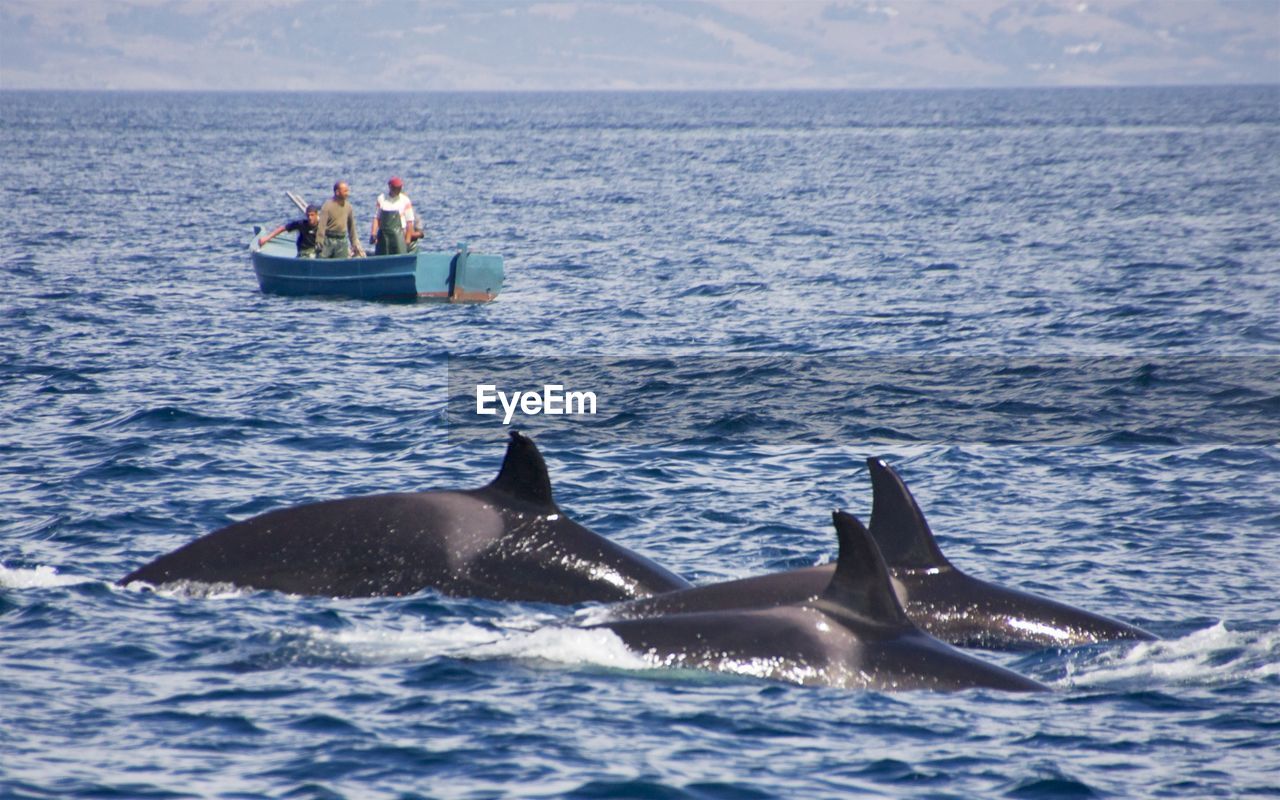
<point>394,223</point>
<point>337,225</point>
<point>306,228</point>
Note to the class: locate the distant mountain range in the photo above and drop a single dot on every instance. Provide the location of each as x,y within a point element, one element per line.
<point>382,45</point>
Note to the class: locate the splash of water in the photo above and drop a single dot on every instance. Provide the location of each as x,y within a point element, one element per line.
<point>1211,656</point>
<point>39,577</point>
<point>518,638</point>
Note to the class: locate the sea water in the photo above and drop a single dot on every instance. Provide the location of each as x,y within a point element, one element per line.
<point>1053,311</point>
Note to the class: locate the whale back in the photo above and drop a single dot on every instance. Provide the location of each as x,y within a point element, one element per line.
<point>507,540</point>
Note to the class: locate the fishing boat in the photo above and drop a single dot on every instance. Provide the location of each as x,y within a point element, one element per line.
<point>459,276</point>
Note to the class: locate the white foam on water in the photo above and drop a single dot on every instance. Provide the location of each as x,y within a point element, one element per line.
<point>193,589</point>
<point>37,578</point>
<point>1210,656</point>
<point>597,647</point>
<point>593,615</point>
<point>515,639</point>
<point>388,645</point>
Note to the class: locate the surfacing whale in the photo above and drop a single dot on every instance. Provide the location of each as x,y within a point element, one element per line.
<point>950,605</point>
<point>506,541</point>
<point>852,634</point>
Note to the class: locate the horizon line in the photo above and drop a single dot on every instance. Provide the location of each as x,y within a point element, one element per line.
<point>642,90</point>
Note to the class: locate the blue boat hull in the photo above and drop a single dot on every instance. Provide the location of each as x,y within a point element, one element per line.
<point>457,277</point>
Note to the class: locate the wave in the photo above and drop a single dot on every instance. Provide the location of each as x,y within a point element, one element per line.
<point>38,577</point>
<point>1210,657</point>
<point>1213,656</point>
<point>526,638</point>
<point>195,590</point>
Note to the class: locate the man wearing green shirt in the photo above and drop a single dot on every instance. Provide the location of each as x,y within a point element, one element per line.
<point>338,225</point>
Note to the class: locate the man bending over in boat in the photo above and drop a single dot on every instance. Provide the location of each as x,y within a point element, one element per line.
<point>306,229</point>
<point>337,225</point>
<point>394,225</point>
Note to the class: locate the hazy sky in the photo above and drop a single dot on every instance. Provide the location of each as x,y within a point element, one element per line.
<point>726,44</point>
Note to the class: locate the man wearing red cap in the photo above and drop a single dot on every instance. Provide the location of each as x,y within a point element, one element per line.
<point>393,224</point>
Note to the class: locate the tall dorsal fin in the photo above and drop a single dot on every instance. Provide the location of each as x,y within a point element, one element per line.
<point>524,474</point>
<point>861,583</point>
<point>897,523</point>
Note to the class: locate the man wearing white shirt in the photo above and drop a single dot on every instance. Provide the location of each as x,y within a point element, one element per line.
<point>393,222</point>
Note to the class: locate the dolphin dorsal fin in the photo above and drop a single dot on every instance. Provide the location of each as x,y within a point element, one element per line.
<point>524,473</point>
<point>897,523</point>
<point>861,582</point>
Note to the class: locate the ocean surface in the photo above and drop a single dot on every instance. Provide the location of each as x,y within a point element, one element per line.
<point>1055,312</point>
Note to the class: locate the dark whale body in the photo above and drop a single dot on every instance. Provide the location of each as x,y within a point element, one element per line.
<point>852,634</point>
<point>948,604</point>
<point>505,541</point>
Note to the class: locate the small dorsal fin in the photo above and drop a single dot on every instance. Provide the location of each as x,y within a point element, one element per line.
<point>861,583</point>
<point>524,473</point>
<point>897,523</point>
